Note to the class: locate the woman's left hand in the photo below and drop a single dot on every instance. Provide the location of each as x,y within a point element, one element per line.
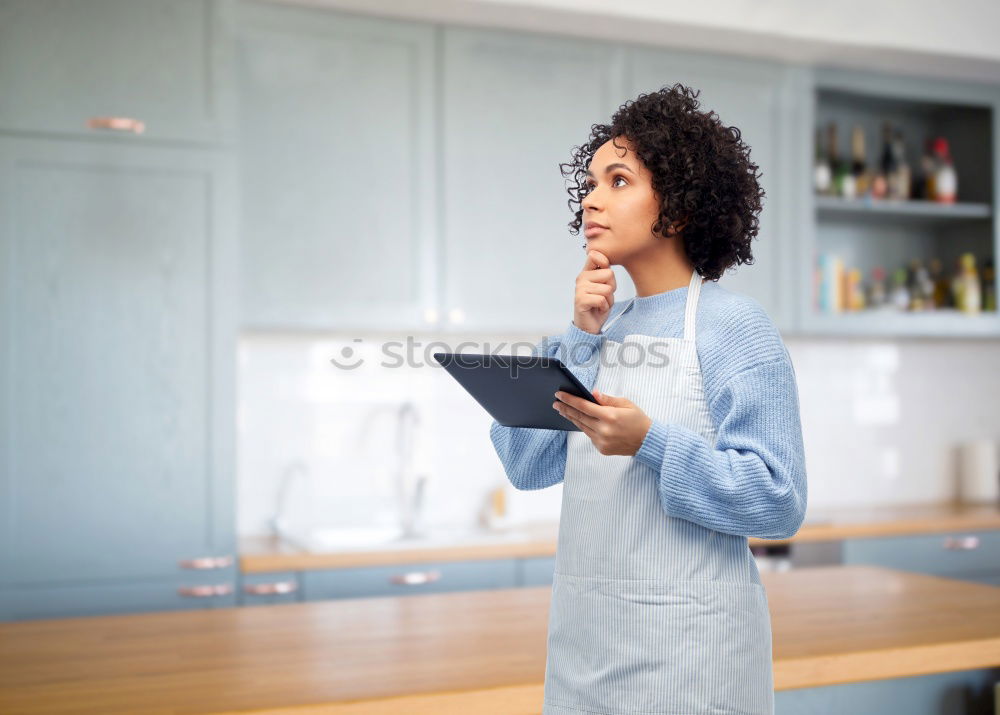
<point>615,426</point>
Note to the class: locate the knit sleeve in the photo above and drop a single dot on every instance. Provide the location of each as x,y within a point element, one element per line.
<point>752,482</point>
<point>535,458</point>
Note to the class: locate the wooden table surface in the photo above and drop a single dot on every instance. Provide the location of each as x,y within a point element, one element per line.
<point>266,554</point>
<point>441,652</point>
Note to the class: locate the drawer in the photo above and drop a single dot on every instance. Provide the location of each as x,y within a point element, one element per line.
<point>269,588</point>
<point>438,577</point>
<point>943,554</point>
<point>536,571</point>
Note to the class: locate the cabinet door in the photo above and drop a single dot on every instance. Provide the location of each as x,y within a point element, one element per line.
<point>409,579</point>
<point>116,375</point>
<point>756,97</point>
<point>975,554</point>
<point>337,169</point>
<point>515,105</point>
<point>536,571</point>
<point>163,63</point>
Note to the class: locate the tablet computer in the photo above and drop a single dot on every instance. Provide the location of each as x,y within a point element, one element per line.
<point>517,390</point>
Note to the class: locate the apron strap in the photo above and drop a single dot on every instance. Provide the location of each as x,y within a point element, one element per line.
<point>608,324</point>
<point>691,309</point>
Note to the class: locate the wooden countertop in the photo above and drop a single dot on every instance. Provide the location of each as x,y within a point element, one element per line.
<point>440,653</point>
<point>266,554</point>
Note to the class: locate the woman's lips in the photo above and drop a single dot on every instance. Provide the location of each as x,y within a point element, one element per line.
<point>593,231</point>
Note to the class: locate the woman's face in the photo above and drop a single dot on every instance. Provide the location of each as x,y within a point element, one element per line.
<point>621,199</point>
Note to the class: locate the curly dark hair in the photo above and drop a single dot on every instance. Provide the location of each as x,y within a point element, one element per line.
<point>701,169</point>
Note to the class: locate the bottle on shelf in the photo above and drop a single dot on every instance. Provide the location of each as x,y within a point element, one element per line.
<point>887,166</point>
<point>941,291</point>
<point>920,185</point>
<point>921,287</point>
<point>822,172</point>
<point>900,296</point>
<point>899,182</point>
<point>989,288</point>
<point>945,177</point>
<point>855,296</point>
<point>859,165</point>
<point>967,295</point>
<point>831,279</point>
<point>843,181</point>
<point>877,296</point>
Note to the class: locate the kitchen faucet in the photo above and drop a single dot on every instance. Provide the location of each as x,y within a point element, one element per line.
<point>409,506</point>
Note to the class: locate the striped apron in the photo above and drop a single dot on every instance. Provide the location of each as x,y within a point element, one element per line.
<point>651,613</point>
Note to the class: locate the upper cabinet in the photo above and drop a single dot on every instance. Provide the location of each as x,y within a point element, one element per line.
<point>514,106</point>
<point>116,377</point>
<point>339,173</point>
<point>757,97</point>
<point>886,265</point>
<point>158,70</point>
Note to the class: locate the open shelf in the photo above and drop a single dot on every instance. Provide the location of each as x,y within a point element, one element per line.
<point>866,233</point>
<point>895,210</point>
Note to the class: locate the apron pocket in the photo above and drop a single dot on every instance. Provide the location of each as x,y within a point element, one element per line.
<point>659,646</point>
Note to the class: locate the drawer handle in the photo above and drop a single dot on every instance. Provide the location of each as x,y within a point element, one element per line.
<point>415,578</point>
<point>271,589</point>
<point>117,124</point>
<point>964,543</point>
<point>207,591</point>
<point>207,562</point>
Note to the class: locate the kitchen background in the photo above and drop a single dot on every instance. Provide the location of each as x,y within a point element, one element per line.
<point>205,202</point>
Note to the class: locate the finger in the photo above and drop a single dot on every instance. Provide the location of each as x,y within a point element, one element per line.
<point>591,434</point>
<point>580,404</point>
<point>596,259</point>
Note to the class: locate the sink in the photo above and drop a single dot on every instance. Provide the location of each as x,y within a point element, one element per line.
<point>371,538</point>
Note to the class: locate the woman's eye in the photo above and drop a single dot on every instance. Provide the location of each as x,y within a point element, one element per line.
<point>590,185</point>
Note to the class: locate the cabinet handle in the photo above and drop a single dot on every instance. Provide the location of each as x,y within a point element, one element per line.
<point>117,124</point>
<point>964,543</point>
<point>270,589</point>
<point>415,578</point>
<point>207,562</point>
<point>207,591</point>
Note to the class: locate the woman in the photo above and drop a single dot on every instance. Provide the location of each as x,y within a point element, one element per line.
<point>695,445</point>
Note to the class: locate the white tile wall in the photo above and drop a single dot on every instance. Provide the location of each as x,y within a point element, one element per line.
<point>880,421</point>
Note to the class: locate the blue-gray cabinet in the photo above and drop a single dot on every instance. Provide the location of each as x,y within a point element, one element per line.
<point>338,170</point>
<point>536,570</point>
<point>166,64</point>
<point>972,556</point>
<point>116,377</point>
<point>513,106</point>
<point>407,579</point>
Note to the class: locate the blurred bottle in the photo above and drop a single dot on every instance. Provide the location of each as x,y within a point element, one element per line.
<point>887,165</point>
<point>989,291</point>
<point>859,165</point>
<point>921,287</point>
<point>941,293</point>
<point>855,296</point>
<point>923,178</point>
<point>900,293</point>
<point>877,292</point>
<point>822,172</point>
<point>843,181</point>
<point>899,181</point>
<point>967,295</point>
<point>945,176</point>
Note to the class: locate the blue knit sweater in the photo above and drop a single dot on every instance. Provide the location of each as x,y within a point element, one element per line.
<point>752,481</point>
